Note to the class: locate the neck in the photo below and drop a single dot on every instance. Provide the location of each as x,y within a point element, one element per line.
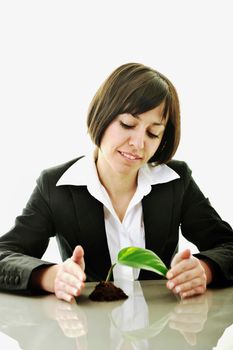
<point>116,184</point>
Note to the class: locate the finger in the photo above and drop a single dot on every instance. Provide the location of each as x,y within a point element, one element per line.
<point>64,287</point>
<point>196,291</point>
<point>78,256</point>
<point>194,287</point>
<point>184,266</point>
<point>73,268</point>
<point>189,279</point>
<point>191,285</point>
<point>178,258</point>
<point>185,254</point>
<point>182,272</point>
<point>69,279</point>
<point>185,273</point>
<point>64,296</point>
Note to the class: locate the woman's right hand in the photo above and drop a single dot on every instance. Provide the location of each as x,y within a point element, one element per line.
<point>70,276</point>
<point>65,280</point>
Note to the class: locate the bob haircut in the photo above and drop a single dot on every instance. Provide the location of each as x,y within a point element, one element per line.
<point>134,88</point>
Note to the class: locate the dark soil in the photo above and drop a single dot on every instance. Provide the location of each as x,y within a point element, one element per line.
<point>106,291</point>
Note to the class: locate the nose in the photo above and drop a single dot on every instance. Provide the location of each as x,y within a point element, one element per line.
<point>137,139</point>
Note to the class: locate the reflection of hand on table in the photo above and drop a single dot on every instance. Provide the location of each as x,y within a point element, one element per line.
<point>190,316</point>
<point>187,317</point>
<point>70,318</point>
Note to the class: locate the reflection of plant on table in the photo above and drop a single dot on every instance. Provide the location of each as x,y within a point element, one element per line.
<point>134,257</point>
<point>189,317</point>
<point>148,332</point>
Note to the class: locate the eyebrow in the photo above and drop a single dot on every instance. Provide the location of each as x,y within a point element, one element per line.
<point>155,123</point>
<point>158,124</point>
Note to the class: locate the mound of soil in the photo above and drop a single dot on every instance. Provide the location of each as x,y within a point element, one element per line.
<point>107,291</point>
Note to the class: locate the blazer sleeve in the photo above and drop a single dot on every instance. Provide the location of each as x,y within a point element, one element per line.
<point>23,246</point>
<point>203,226</point>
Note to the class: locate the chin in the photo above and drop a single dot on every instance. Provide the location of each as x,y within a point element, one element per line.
<point>125,170</point>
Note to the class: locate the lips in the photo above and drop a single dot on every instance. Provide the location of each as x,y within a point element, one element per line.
<point>130,156</point>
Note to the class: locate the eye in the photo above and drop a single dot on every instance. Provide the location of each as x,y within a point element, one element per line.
<point>152,136</point>
<point>126,126</point>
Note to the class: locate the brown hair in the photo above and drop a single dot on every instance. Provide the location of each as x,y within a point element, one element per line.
<point>134,88</point>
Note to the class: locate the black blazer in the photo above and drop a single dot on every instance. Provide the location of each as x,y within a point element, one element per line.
<point>75,217</point>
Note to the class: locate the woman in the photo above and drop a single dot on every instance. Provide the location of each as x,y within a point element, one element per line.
<point>129,192</point>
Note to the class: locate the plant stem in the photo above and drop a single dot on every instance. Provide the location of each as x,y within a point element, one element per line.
<point>110,272</point>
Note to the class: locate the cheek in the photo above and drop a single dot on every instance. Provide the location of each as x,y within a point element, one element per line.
<point>111,139</point>
<point>152,146</point>
<point>114,136</point>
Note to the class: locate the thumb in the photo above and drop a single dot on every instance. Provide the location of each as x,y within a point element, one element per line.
<point>78,256</point>
<point>185,254</point>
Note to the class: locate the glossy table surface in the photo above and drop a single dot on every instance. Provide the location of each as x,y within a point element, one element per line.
<point>151,318</point>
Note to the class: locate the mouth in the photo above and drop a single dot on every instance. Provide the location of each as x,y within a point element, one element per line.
<point>130,156</point>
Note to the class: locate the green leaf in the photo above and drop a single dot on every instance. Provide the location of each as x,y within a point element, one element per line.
<point>142,259</point>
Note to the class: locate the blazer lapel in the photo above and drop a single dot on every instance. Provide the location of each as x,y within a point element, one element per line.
<point>157,212</point>
<point>92,235</point>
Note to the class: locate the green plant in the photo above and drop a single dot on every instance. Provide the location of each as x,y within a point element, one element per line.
<point>139,258</point>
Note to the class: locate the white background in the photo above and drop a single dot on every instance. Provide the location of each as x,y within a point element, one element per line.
<point>55,54</point>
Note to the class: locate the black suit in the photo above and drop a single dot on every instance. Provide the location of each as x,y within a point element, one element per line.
<point>75,217</point>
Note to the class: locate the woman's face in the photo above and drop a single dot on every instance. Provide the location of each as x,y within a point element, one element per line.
<point>128,142</point>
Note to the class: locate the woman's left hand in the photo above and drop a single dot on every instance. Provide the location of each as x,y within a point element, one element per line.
<point>188,275</point>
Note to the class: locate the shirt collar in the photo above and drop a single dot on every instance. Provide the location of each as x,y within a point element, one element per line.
<point>83,173</point>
